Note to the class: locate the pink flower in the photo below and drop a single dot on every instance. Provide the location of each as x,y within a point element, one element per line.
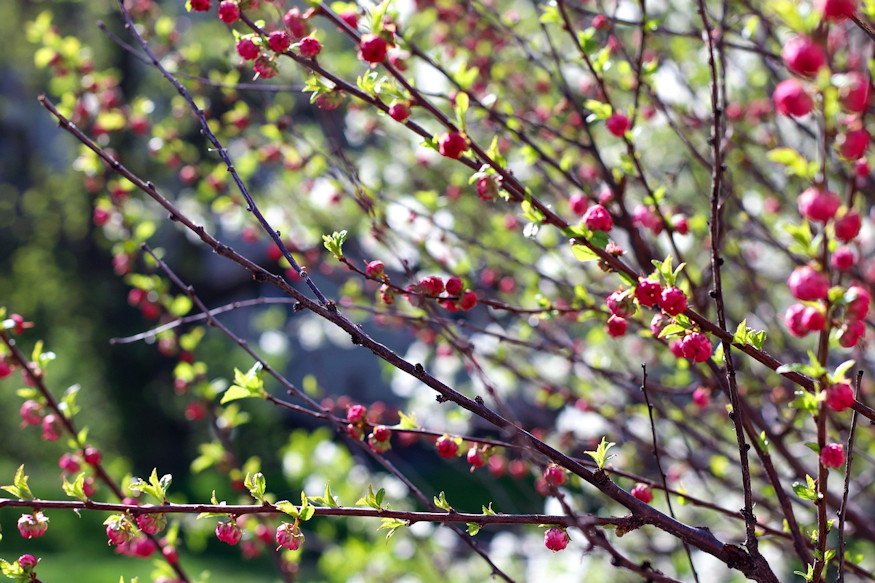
<point>33,525</point>
<point>618,124</point>
<point>672,301</point>
<point>620,304</point>
<point>432,285</point>
<point>579,203</point>
<point>853,144</point>
<point>356,413</point>
<point>793,320</point>
<point>556,539</point>
<point>373,48</point>
<point>813,319</point>
<point>447,446</point>
<point>229,11</point>
<point>791,99</point>
<point>848,226</point>
<point>702,397</point>
<point>833,455</point>
<point>265,67</point>
<point>119,530</point>
<point>296,24</point>
<point>279,41</point>
<point>142,546</point>
<point>856,92</point>
<point>454,286</point>
<point>151,523</point>
<point>374,269</point>
<point>399,112</point>
<point>51,427</point>
<point>289,536</point>
<point>843,259</point>
<point>818,205</point>
<point>597,218</point>
<point>858,307</point>
<point>27,562</point>
<point>616,326</point>
<point>840,396</point>
<point>476,457</point>
<point>229,532</point>
<point>648,292</point>
<point>452,144</point>
<point>468,300</point>
<point>247,49</point>
<point>851,332</point>
<point>837,9</point>
<point>555,475</point>
<point>803,56</point>
<point>31,412</point>
<point>642,492</point>
<point>644,216</point>
<point>69,463</point>
<point>808,284</point>
<point>696,347</point>
<point>309,47</point>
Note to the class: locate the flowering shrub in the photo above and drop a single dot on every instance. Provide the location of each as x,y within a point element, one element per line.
<point>566,242</point>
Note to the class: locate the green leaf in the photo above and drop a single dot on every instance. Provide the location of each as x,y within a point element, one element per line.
<point>461,108</point>
<point>599,110</point>
<point>256,484</point>
<point>582,253</point>
<point>19,487</point>
<point>407,421</point>
<point>288,508</point>
<point>805,401</point>
<point>372,500</point>
<point>841,369</point>
<point>600,455</point>
<point>334,243</point>
<point>76,489</point>
<point>326,499</point>
<point>473,528</point>
<point>488,510</point>
<point>794,163</point>
<point>246,385</point>
<point>393,524</point>
<point>441,502</point>
<point>671,330</point>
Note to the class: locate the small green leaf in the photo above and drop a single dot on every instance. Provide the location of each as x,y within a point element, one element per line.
<point>488,510</point>
<point>19,487</point>
<point>582,253</point>
<point>393,524</point>
<point>334,243</point>
<point>600,455</point>
<point>461,108</point>
<point>407,421</point>
<point>288,508</point>
<point>256,485</point>
<point>841,369</point>
<point>473,528</point>
<point>441,502</point>
<point>76,489</point>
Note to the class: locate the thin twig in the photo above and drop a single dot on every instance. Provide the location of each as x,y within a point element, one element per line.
<point>840,577</point>
<point>656,455</point>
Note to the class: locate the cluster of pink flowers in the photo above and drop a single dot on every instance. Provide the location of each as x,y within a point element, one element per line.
<point>671,300</point>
